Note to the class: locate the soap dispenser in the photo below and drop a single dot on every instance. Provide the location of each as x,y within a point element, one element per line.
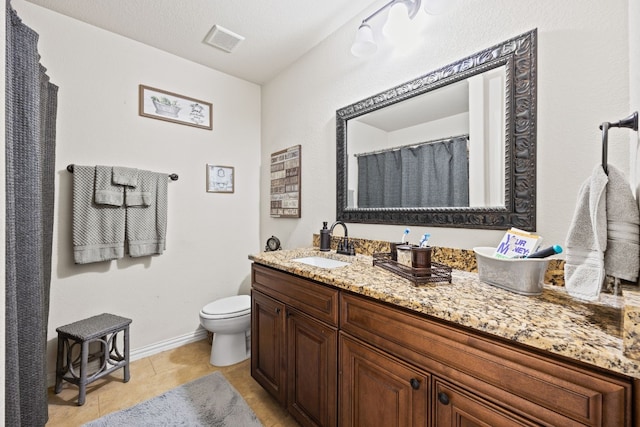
<point>325,238</point>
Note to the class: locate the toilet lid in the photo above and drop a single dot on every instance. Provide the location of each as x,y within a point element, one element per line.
<point>236,305</point>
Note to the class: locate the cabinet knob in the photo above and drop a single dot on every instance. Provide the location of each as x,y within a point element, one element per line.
<point>278,310</point>
<point>415,384</point>
<point>443,398</point>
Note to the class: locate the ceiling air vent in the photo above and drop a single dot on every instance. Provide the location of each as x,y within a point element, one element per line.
<point>223,39</point>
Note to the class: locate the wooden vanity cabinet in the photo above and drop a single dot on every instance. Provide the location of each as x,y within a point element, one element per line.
<point>382,365</point>
<point>294,344</point>
<point>478,380</point>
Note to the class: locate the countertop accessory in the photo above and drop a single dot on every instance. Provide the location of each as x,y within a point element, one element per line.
<point>543,253</point>
<point>325,238</point>
<point>403,254</point>
<point>421,256</point>
<point>404,235</point>
<point>523,276</point>
<point>424,242</point>
<point>273,244</point>
<point>417,276</point>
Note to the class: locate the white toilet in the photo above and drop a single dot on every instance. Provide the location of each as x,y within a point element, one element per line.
<point>230,321</point>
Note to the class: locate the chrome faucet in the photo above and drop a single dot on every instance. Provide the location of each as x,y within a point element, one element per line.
<point>345,247</point>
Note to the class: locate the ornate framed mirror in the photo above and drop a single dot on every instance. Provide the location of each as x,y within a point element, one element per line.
<point>453,148</point>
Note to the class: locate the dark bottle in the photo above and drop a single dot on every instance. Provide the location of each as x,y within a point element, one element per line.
<point>325,238</point>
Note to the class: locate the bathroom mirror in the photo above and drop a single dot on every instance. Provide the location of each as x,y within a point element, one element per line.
<point>452,148</point>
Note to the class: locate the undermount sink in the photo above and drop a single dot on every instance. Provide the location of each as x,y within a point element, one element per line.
<point>317,261</point>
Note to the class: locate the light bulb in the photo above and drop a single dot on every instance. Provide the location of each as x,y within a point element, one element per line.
<point>364,45</point>
<point>397,21</point>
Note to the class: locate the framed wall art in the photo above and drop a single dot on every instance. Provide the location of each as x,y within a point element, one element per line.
<point>220,179</point>
<point>162,105</point>
<point>285,183</point>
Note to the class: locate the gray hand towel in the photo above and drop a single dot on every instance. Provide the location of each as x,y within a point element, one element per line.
<point>107,193</point>
<point>587,239</point>
<point>622,257</point>
<point>125,176</point>
<point>98,230</point>
<point>147,225</point>
<point>135,197</point>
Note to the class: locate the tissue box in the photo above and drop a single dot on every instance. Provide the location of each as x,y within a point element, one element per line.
<point>523,276</point>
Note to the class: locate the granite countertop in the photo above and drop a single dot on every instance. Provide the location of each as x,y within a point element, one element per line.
<point>554,321</point>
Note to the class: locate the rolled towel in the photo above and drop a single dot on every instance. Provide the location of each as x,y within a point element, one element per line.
<point>106,193</point>
<point>622,257</point>
<point>587,239</point>
<point>125,176</point>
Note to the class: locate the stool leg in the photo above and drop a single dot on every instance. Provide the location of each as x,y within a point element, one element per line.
<point>127,374</point>
<point>104,354</point>
<point>84,356</point>
<point>59,364</point>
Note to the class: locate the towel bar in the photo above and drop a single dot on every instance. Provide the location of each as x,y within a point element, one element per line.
<point>173,176</point>
<point>630,122</point>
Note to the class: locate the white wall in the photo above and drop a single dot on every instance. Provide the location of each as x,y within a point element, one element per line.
<point>209,235</point>
<point>583,80</point>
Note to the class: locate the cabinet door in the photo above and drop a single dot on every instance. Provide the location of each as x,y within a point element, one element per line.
<point>267,345</point>
<point>379,390</point>
<point>455,407</point>
<point>311,370</point>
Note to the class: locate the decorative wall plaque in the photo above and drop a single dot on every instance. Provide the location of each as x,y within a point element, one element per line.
<point>285,183</point>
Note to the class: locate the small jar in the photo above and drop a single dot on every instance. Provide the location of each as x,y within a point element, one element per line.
<point>404,254</point>
<point>421,257</point>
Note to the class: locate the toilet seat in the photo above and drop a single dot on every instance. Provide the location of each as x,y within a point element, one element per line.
<point>227,308</point>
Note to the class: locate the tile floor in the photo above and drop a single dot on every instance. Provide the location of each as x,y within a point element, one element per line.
<point>155,375</point>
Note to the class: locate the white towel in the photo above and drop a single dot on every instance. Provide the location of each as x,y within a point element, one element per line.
<point>147,225</point>
<point>587,239</point>
<point>98,230</point>
<point>622,257</point>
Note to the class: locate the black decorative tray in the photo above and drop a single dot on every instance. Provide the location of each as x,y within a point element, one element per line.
<point>418,276</point>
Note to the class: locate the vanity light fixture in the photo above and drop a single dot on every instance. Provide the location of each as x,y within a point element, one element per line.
<point>399,15</point>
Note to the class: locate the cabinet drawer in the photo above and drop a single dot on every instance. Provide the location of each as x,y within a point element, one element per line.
<point>453,406</point>
<point>319,301</point>
<point>545,389</point>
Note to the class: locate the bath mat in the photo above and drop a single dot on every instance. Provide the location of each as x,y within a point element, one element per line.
<point>207,401</point>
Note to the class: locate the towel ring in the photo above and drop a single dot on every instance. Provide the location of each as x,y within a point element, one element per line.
<point>630,122</point>
<point>173,176</point>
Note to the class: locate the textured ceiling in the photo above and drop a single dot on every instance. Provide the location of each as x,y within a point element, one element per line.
<point>276,33</point>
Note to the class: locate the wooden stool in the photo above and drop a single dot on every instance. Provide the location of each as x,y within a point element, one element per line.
<point>104,329</point>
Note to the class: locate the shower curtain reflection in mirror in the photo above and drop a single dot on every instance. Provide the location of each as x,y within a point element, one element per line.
<point>430,174</point>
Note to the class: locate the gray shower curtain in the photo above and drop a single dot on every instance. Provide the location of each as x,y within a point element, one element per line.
<point>433,174</point>
<point>30,109</point>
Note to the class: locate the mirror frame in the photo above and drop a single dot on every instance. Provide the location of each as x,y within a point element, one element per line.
<point>518,55</point>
